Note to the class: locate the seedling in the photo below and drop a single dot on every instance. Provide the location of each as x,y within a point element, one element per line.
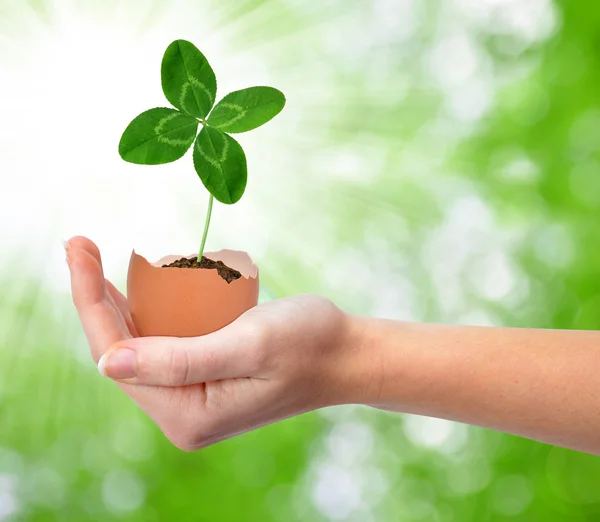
<point>164,135</point>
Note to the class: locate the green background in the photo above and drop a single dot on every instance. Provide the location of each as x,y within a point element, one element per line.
<point>436,161</point>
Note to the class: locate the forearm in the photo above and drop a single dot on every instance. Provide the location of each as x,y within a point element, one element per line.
<point>540,384</point>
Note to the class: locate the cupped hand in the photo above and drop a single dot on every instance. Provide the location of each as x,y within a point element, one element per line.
<point>277,360</point>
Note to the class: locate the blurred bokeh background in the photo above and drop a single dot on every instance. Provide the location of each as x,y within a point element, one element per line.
<point>438,160</point>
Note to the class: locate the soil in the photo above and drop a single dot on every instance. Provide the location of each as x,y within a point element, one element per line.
<point>227,273</point>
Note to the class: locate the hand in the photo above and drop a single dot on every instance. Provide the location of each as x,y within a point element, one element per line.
<point>277,360</point>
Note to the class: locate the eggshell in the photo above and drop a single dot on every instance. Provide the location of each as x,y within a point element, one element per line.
<point>184,302</point>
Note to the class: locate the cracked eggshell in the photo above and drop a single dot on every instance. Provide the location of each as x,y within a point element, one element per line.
<point>184,302</point>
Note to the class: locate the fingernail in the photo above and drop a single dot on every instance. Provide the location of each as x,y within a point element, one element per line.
<point>67,246</point>
<point>118,364</point>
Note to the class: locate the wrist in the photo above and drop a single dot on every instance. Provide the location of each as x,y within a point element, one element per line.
<point>387,367</point>
<point>362,370</point>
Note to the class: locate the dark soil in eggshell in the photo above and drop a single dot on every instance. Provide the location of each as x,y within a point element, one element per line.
<point>227,273</point>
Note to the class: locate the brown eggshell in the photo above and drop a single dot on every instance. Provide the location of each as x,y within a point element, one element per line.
<point>184,302</point>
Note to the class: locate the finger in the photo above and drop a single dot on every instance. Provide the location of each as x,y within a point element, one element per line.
<point>172,361</point>
<point>83,243</point>
<point>123,306</point>
<point>101,319</point>
<point>105,325</point>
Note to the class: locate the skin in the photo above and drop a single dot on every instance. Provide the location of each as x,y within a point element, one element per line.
<point>294,355</point>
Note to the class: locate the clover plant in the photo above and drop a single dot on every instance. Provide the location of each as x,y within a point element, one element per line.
<point>163,135</point>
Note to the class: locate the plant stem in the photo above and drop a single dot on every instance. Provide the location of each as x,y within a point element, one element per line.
<point>206,225</point>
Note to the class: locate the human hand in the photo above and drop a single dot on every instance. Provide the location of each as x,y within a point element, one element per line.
<point>277,360</point>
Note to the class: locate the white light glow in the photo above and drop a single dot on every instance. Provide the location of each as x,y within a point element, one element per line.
<point>430,432</point>
<point>76,84</point>
<point>122,491</point>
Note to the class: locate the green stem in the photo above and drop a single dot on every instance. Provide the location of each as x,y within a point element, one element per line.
<point>206,225</point>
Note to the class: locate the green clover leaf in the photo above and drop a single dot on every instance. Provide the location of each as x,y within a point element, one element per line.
<point>244,110</point>
<point>188,80</point>
<point>158,136</point>
<point>221,164</point>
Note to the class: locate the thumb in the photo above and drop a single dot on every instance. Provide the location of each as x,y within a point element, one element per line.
<point>174,361</point>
